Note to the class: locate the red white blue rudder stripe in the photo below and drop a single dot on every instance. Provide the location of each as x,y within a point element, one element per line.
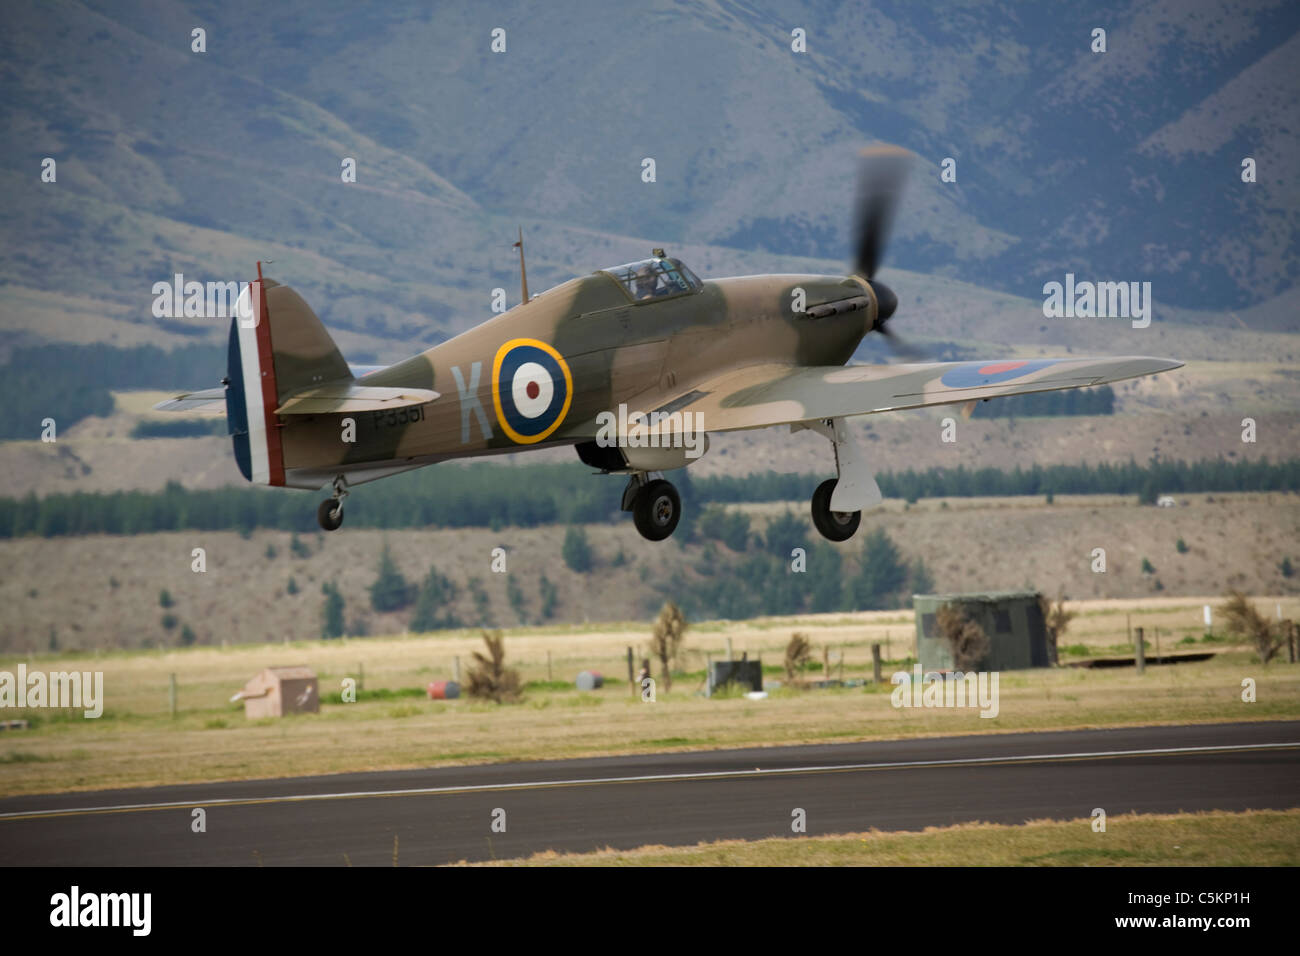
<point>251,396</point>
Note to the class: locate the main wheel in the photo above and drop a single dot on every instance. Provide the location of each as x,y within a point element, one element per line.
<point>329,515</point>
<point>835,525</point>
<point>656,510</point>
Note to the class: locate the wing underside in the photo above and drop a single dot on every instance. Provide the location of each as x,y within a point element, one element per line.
<point>765,395</point>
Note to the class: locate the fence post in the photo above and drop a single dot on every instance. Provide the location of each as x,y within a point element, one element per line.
<point>455,668</point>
<point>875,663</point>
<point>171,696</point>
<point>1141,651</point>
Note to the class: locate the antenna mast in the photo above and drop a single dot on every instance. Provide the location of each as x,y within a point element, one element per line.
<point>523,273</point>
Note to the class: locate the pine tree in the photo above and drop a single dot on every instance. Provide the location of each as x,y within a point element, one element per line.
<point>390,592</point>
<point>576,550</point>
<point>919,579</point>
<point>883,574</point>
<point>549,595</point>
<point>332,614</point>
<point>432,612</point>
<point>825,568</point>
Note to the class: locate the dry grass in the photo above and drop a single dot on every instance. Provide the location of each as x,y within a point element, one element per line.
<point>65,585</point>
<point>136,744</point>
<point>1251,838</point>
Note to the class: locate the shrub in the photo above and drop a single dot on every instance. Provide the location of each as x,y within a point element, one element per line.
<point>1056,620</point>
<point>489,678</point>
<point>966,639</point>
<point>666,638</point>
<point>798,652</point>
<point>1242,620</point>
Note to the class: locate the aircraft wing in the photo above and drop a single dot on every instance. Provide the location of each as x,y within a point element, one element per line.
<point>764,395</point>
<point>208,400</point>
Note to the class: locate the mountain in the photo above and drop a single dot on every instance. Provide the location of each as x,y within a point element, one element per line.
<point>1117,166</point>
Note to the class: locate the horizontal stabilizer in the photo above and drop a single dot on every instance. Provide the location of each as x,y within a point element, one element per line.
<point>346,396</point>
<point>208,400</point>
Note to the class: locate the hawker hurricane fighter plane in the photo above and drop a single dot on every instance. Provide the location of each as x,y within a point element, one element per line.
<point>633,365</point>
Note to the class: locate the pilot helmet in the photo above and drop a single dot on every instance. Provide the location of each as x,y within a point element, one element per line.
<point>645,278</point>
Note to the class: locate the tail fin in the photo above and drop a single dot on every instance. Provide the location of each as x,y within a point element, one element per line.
<point>277,346</point>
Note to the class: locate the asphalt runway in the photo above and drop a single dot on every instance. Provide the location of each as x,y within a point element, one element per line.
<point>447,814</point>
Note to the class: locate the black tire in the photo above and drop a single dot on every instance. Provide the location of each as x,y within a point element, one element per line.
<point>329,515</point>
<point>833,525</point>
<point>656,510</point>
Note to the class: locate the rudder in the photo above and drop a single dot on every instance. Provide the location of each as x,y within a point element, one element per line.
<point>277,346</point>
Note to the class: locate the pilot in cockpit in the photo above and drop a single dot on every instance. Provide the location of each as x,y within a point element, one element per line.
<point>647,281</point>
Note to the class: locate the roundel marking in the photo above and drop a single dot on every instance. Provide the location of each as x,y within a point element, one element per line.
<point>975,374</point>
<point>532,389</point>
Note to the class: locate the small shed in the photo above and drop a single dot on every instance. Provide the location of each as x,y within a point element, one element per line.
<point>747,673</point>
<point>1012,620</point>
<point>277,691</point>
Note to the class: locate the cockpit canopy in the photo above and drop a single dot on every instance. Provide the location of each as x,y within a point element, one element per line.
<point>656,278</point>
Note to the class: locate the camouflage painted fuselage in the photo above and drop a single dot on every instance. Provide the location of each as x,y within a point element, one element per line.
<point>604,350</point>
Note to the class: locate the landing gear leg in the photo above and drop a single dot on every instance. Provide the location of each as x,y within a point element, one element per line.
<point>330,513</point>
<point>838,503</point>
<point>655,505</point>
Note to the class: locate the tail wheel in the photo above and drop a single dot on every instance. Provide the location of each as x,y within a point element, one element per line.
<point>329,515</point>
<point>834,525</point>
<point>657,510</point>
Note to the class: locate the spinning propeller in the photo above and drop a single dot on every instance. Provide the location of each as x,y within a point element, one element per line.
<point>881,176</point>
